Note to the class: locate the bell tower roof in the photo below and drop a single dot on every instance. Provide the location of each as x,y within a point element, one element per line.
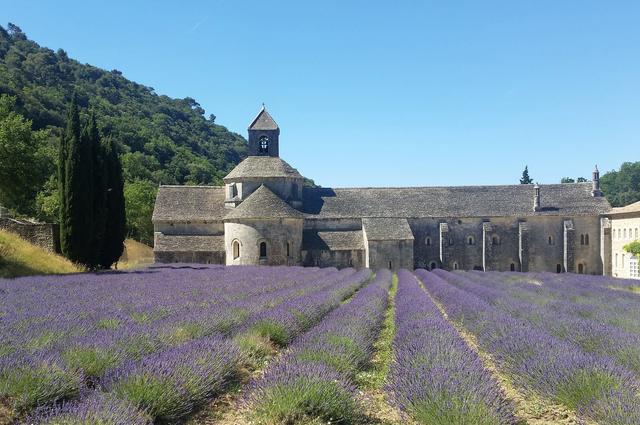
<point>263,121</point>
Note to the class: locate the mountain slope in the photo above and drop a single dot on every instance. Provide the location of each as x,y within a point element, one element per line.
<point>163,140</point>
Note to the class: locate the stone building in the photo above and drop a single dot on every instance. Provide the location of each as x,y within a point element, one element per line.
<point>264,215</point>
<point>624,225</point>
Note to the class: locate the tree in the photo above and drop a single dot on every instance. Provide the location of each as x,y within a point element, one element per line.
<point>76,173</point>
<point>622,187</point>
<point>633,248</point>
<point>525,176</point>
<point>17,156</point>
<point>140,197</point>
<point>567,180</point>
<point>581,180</point>
<point>99,174</point>
<point>116,223</point>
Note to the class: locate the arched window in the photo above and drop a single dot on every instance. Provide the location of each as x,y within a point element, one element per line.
<point>236,249</point>
<point>427,241</point>
<point>390,265</point>
<point>581,239</point>
<point>581,268</point>
<point>636,233</point>
<point>433,265</point>
<point>624,233</point>
<point>513,267</point>
<point>455,266</point>
<point>616,260</point>
<point>586,239</point>
<point>288,249</point>
<point>558,268</point>
<point>622,261</point>
<point>495,240</point>
<point>471,240</point>
<point>550,240</point>
<point>263,145</point>
<point>263,249</point>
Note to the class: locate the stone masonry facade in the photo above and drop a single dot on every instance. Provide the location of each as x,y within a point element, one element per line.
<point>264,215</point>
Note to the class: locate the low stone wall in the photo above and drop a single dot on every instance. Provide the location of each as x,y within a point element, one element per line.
<point>44,235</point>
<point>212,257</point>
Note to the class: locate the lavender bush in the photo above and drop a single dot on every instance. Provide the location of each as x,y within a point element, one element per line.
<point>313,381</point>
<point>541,362</point>
<point>435,377</point>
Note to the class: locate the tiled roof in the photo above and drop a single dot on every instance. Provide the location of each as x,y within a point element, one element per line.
<point>462,201</point>
<point>263,166</point>
<point>335,241</point>
<point>189,203</point>
<point>263,121</point>
<point>631,208</point>
<point>195,243</point>
<point>263,203</point>
<point>378,229</point>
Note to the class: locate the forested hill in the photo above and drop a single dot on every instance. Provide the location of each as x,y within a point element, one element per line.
<point>160,139</point>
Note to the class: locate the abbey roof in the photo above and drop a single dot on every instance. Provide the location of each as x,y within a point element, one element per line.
<point>627,209</point>
<point>462,201</point>
<point>263,121</point>
<point>263,203</point>
<point>379,229</point>
<point>345,240</point>
<point>189,203</point>
<point>263,167</point>
<point>206,203</point>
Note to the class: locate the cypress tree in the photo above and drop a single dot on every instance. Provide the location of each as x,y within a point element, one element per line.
<point>100,176</point>
<point>525,176</point>
<point>115,207</point>
<point>62,213</point>
<point>78,191</point>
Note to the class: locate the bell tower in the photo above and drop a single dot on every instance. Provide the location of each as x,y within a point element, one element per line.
<point>263,135</point>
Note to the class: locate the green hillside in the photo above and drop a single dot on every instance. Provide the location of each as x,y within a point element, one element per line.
<point>160,139</point>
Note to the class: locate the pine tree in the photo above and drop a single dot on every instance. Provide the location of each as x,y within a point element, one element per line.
<point>525,176</point>
<point>115,208</point>
<point>77,216</point>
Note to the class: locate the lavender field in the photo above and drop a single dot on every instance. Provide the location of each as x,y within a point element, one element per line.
<point>291,345</point>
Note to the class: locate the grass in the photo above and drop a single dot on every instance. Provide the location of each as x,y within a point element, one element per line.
<point>585,387</point>
<point>374,376</point>
<point>21,258</point>
<point>135,255</point>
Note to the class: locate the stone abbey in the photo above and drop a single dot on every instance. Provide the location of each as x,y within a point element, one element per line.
<point>265,215</point>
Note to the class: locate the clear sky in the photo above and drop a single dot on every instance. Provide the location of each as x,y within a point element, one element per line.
<point>384,93</point>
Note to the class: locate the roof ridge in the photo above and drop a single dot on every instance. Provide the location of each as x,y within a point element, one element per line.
<point>454,187</point>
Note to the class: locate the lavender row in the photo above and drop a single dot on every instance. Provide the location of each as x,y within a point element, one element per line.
<point>589,335</point>
<point>169,385</point>
<point>435,377</point>
<point>44,370</point>
<point>578,295</point>
<point>592,385</point>
<point>313,381</point>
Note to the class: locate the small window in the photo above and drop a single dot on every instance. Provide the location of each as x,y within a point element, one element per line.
<point>455,266</point>
<point>581,239</point>
<point>236,250</point>
<point>550,240</point>
<point>581,268</point>
<point>636,233</point>
<point>263,249</point>
<point>288,249</point>
<point>350,262</point>
<point>622,261</point>
<point>495,240</point>
<point>459,221</point>
<point>586,239</point>
<point>617,260</point>
<point>624,233</point>
<point>433,265</point>
<point>513,267</point>
<point>427,241</point>
<point>558,268</point>
<point>390,265</point>
<point>471,240</point>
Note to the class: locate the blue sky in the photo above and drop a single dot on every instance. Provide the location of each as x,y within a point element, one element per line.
<point>384,93</point>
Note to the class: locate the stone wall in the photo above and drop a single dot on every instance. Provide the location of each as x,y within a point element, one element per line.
<point>211,257</point>
<point>276,233</point>
<point>44,235</point>
<point>339,259</point>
